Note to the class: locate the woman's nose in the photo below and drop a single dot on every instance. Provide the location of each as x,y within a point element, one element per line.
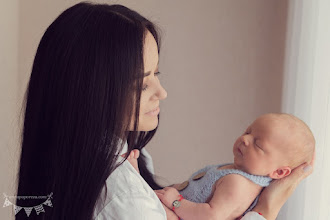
<point>160,92</point>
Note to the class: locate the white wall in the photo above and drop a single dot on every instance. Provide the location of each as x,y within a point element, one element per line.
<point>307,95</point>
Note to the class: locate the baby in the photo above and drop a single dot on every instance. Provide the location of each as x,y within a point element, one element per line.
<point>270,148</point>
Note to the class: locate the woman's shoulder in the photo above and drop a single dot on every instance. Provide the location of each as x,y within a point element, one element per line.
<point>124,188</point>
<point>122,181</point>
<point>125,179</point>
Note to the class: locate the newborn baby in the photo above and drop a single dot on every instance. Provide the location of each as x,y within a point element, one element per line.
<point>270,148</point>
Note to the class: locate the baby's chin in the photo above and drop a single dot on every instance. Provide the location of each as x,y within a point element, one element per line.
<point>239,166</point>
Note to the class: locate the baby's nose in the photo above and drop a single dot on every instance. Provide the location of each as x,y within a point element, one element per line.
<point>245,140</point>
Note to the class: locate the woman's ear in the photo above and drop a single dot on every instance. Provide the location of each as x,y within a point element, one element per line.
<point>280,173</point>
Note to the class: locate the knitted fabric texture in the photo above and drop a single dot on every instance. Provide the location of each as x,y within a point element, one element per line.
<point>200,190</point>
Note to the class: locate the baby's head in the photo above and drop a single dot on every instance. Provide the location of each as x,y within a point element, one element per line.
<point>273,145</point>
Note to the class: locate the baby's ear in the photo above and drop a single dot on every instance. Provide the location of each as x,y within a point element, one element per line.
<point>280,173</point>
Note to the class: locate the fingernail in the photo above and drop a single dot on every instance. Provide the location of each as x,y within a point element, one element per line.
<point>307,168</point>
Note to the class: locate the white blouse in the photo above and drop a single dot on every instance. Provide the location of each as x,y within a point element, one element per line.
<point>130,197</point>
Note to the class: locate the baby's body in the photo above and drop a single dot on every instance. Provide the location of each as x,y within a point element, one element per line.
<point>229,197</point>
<point>206,180</point>
<point>204,187</point>
<point>271,147</point>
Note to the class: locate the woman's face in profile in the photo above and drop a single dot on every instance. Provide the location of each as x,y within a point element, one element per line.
<point>152,91</point>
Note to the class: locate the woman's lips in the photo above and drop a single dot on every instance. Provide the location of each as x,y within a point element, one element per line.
<point>154,112</point>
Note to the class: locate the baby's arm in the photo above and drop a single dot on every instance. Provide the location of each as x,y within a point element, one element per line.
<point>233,195</point>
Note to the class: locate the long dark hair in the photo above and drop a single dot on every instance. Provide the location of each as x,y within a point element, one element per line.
<point>84,88</point>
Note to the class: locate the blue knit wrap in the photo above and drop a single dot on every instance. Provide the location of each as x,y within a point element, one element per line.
<point>200,190</point>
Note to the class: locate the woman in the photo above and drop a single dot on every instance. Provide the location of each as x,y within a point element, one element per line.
<point>93,96</point>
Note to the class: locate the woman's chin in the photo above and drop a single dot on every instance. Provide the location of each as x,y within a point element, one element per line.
<point>148,126</point>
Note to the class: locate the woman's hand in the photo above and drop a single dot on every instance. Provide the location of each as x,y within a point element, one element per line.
<point>132,158</point>
<point>277,193</point>
<point>170,214</point>
<point>168,195</point>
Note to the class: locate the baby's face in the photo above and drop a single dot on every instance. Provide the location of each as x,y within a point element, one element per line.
<point>262,147</point>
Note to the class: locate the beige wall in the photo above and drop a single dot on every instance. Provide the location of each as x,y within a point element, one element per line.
<point>221,63</point>
<point>8,99</point>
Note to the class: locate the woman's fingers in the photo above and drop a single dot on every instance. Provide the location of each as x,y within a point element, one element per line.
<point>288,184</point>
<point>313,160</point>
<point>170,214</point>
<point>161,191</point>
<point>160,196</point>
<point>132,158</point>
<point>277,193</point>
<point>302,171</point>
<point>136,154</point>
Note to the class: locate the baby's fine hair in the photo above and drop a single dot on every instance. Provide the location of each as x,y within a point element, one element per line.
<point>304,147</point>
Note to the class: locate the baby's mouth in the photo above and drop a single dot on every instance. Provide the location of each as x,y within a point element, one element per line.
<point>239,151</point>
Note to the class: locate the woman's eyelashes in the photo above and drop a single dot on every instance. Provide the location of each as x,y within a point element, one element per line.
<point>145,87</point>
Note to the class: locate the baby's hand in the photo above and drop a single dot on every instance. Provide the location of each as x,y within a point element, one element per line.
<point>132,158</point>
<point>168,195</point>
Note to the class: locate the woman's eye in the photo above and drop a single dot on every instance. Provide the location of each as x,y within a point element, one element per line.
<point>144,88</point>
